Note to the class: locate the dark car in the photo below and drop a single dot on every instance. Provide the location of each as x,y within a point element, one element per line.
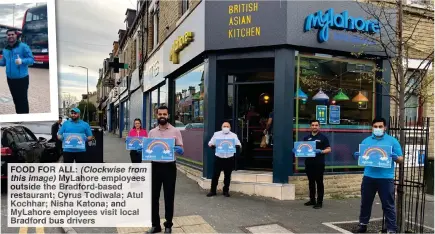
<point>20,145</point>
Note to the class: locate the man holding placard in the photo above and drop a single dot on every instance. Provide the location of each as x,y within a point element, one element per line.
<point>314,147</point>
<point>375,150</point>
<point>225,143</point>
<point>165,139</point>
<point>74,134</point>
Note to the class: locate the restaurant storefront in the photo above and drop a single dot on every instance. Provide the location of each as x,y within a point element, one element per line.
<point>258,58</point>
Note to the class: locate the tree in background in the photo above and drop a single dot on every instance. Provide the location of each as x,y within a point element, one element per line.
<point>83,110</point>
<point>67,101</point>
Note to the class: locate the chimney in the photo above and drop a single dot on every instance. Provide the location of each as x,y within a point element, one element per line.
<point>130,15</point>
<point>121,34</point>
<point>115,46</point>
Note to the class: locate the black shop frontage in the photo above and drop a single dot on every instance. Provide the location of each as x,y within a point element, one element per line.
<point>297,60</point>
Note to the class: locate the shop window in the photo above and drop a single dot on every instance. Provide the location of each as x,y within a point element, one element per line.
<point>156,19</point>
<point>154,105</point>
<point>127,124</point>
<point>412,102</point>
<point>340,93</point>
<point>189,111</point>
<point>184,6</point>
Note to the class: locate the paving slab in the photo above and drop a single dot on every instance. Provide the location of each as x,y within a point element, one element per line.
<point>268,228</point>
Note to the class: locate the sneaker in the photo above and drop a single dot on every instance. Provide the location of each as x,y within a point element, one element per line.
<point>318,205</point>
<point>211,194</point>
<point>362,228</point>
<point>310,203</point>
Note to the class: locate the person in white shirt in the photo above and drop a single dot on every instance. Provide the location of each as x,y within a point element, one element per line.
<point>223,161</point>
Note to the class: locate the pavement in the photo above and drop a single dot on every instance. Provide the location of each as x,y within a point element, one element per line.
<point>39,91</point>
<point>196,213</point>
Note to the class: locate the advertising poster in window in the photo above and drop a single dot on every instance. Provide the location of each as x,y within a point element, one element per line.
<point>321,113</point>
<point>334,114</point>
<point>196,109</point>
<point>201,108</point>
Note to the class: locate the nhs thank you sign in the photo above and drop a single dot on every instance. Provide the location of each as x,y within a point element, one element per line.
<point>158,149</point>
<point>134,143</point>
<point>305,148</point>
<point>225,146</point>
<point>375,156</point>
<point>339,21</point>
<point>74,141</point>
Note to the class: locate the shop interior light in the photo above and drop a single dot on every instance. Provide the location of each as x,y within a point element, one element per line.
<point>320,96</point>
<point>360,98</point>
<point>301,95</point>
<point>341,96</point>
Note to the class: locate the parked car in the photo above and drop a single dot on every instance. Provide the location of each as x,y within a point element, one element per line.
<point>20,145</point>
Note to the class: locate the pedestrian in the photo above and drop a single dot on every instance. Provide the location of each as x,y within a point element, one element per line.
<point>75,125</point>
<point>54,130</point>
<point>269,128</point>
<point>380,180</point>
<point>164,172</point>
<point>17,56</point>
<point>137,131</point>
<point>223,161</point>
<point>315,166</point>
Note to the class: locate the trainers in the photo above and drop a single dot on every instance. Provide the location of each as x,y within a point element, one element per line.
<point>210,194</point>
<point>310,203</point>
<point>362,228</point>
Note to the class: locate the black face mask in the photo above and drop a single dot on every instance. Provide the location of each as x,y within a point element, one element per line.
<point>163,121</point>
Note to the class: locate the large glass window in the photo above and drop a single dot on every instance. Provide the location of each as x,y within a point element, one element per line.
<point>189,111</point>
<point>339,92</point>
<point>154,105</point>
<point>127,115</point>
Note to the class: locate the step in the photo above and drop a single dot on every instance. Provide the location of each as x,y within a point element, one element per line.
<point>249,176</point>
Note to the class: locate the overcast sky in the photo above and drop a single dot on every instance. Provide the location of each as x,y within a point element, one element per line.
<point>85,34</point>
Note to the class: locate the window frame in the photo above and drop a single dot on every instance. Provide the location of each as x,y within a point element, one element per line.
<point>156,22</point>
<point>185,7</point>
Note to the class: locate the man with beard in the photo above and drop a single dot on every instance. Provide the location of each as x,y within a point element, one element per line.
<point>75,125</point>
<point>17,56</point>
<point>164,172</point>
<point>315,166</point>
<point>54,129</point>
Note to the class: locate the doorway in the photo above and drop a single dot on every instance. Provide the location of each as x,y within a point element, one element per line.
<point>250,102</point>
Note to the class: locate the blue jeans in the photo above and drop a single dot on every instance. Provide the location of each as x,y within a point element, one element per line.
<point>385,189</point>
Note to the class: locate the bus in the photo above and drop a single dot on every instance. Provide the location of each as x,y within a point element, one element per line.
<point>3,37</point>
<point>35,33</point>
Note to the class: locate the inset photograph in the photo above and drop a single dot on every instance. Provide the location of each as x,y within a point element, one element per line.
<point>28,61</point>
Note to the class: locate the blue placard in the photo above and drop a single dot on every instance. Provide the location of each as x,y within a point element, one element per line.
<point>74,141</point>
<point>226,146</point>
<point>375,156</point>
<point>321,113</point>
<point>305,149</point>
<point>133,143</point>
<point>158,149</point>
<point>334,114</point>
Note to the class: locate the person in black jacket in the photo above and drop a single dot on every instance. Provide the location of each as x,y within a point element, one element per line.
<point>54,129</point>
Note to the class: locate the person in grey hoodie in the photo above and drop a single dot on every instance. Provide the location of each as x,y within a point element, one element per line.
<point>17,56</point>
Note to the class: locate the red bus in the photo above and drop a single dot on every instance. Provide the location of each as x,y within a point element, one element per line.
<point>3,36</point>
<point>35,33</point>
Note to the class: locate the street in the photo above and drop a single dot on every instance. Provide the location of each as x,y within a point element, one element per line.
<point>196,213</point>
<point>39,91</point>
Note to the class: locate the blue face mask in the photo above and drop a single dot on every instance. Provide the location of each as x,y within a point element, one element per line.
<point>378,131</point>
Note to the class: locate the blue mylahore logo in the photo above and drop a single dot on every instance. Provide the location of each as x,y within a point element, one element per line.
<point>340,21</point>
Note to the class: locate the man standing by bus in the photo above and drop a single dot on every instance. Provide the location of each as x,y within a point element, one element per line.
<point>164,173</point>
<point>17,56</point>
<point>75,125</point>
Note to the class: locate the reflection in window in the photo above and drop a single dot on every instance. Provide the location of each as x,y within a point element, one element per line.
<point>126,115</point>
<point>163,92</point>
<point>189,95</point>
<point>154,106</point>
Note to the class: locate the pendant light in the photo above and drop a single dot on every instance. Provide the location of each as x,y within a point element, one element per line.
<point>360,98</point>
<point>341,96</point>
<point>301,95</point>
<point>320,96</point>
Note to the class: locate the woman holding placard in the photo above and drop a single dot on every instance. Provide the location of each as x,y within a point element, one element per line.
<point>137,131</point>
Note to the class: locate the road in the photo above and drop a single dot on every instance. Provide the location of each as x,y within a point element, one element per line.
<point>39,91</point>
<point>196,213</point>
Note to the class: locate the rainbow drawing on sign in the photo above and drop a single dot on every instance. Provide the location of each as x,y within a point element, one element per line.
<point>301,146</point>
<point>166,148</point>
<point>376,150</point>
<point>226,142</point>
<point>72,137</point>
<point>134,140</point>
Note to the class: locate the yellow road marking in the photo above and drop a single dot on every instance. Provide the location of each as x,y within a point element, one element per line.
<point>39,230</point>
<point>23,230</point>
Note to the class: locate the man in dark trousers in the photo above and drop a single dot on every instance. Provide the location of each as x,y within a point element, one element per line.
<point>75,125</point>
<point>315,166</point>
<point>380,180</point>
<point>17,56</point>
<point>164,173</point>
<point>54,130</point>
<point>223,161</point>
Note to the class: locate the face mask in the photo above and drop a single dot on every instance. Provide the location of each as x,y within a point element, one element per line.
<point>378,131</point>
<point>225,130</point>
<point>163,121</point>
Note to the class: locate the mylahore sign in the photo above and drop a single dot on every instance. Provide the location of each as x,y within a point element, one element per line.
<point>338,21</point>
<point>179,44</point>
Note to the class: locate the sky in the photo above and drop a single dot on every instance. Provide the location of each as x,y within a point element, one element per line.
<point>85,31</point>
